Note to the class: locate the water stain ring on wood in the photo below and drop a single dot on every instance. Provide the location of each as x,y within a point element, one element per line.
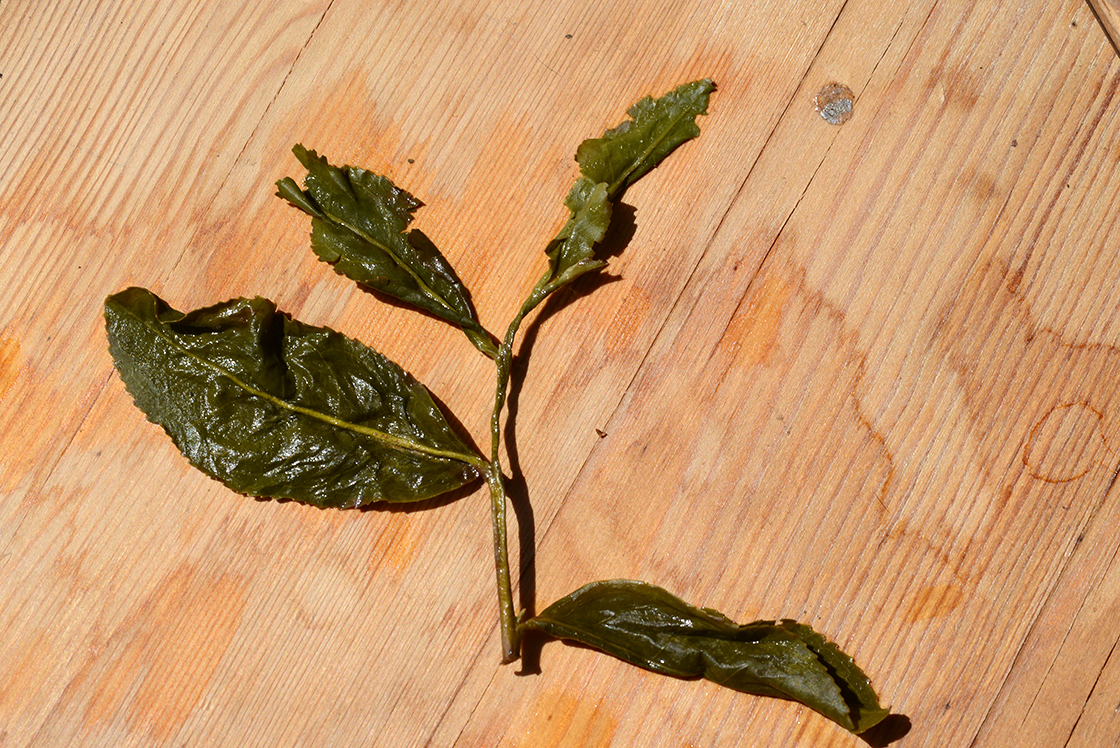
<point>834,102</point>
<point>1066,443</point>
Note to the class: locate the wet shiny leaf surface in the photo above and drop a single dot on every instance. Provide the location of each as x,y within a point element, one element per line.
<point>647,626</point>
<point>273,407</point>
<point>360,226</point>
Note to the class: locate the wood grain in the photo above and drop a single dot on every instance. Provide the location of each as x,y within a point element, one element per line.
<point>1108,13</point>
<point>860,375</point>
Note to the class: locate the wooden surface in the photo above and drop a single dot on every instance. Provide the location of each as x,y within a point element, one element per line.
<point>1108,13</point>
<point>861,375</point>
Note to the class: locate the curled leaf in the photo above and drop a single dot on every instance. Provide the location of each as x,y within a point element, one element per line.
<point>647,626</point>
<point>359,225</point>
<point>273,407</point>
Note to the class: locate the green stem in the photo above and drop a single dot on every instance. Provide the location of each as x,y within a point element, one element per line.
<point>511,637</point>
<point>511,640</point>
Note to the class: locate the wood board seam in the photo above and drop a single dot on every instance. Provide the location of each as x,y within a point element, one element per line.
<point>997,698</point>
<point>1096,682</point>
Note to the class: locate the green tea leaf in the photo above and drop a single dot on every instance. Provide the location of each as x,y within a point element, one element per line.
<point>656,127</point>
<point>572,252</point>
<point>358,225</point>
<point>273,407</point>
<point>647,626</point>
<point>611,163</point>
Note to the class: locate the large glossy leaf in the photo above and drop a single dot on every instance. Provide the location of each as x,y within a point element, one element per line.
<point>359,225</point>
<point>611,163</point>
<point>273,407</point>
<point>647,626</point>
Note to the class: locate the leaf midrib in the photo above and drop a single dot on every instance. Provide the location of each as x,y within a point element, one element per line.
<point>427,289</point>
<point>616,185</point>
<point>394,442</point>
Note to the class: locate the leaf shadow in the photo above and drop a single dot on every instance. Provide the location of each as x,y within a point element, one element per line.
<point>444,499</point>
<point>893,727</point>
<point>621,231</point>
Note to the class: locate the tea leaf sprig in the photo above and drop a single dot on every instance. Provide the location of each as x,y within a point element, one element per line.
<point>276,408</point>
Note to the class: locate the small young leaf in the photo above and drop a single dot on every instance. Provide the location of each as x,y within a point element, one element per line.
<point>273,407</point>
<point>611,163</point>
<point>647,626</point>
<point>358,225</point>
<point>656,127</point>
<point>572,252</point>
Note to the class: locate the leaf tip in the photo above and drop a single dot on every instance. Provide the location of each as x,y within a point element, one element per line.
<point>303,153</point>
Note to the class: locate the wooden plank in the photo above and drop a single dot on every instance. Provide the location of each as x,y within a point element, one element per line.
<point>859,375</point>
<point>909,157</point>
<point>121,125</point>
<point>1108,13</point>
<point>1062,668</point>
<point>643,710</point>
<point>106,125</point>
<point>1098,723</point>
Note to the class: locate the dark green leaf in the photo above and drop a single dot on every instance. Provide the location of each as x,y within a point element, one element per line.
<point>656,127</point>
<point>359,223</point>
<point>572,252</point>
<point>609,164</point>
<point>273,407</point>
<point>647,626</point>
